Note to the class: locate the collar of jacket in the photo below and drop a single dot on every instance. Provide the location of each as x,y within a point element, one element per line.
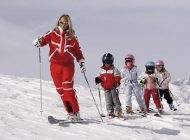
<point>129,68</point>
<point>59,31</point>
<point>107,68</point>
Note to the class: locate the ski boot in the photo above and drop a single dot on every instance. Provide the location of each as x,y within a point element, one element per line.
<point>160,111</point>
<point>73,117</point>
<point>129,110</point>
<point>119,114</point>
<point>143,111</point>
<point>149,110</point>
<point>110,114</point>
<point>172,107</point>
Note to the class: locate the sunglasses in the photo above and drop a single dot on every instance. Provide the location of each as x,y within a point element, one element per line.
<point>60,22</point>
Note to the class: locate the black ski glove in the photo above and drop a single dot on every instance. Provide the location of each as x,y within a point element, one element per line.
<point>142,83</point>
<point>97,80</point>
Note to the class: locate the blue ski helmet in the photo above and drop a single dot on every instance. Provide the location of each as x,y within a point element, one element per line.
<point>108,59</point>
<point>150,65</point>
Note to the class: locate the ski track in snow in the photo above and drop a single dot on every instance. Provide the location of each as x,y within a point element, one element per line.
<point>20,117</point>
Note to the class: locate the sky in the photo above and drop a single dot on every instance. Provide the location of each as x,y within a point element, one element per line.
<point>149,29</point>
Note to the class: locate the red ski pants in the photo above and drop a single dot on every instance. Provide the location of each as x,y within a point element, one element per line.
<point>62,76</point>
<point>154,93</point>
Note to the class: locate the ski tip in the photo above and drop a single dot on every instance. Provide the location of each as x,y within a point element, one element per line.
<point>102,115</point>
<point>52,120</point>
<point>50,117</point>
<point>144,115</point>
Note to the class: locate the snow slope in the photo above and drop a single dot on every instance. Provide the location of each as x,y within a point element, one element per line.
<point>20,117</point>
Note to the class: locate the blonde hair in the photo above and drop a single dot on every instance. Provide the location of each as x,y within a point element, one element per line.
<point>70,31</point>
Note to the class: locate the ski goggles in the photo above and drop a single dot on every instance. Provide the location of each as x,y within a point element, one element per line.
<point>159,66</point>
<point>128,60</point>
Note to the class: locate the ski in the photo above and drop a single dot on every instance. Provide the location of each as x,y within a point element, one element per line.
<point>116,117</point>
<point>140,113</point>
<point>102,115</point>
<point>53,120</point>
<point>73,122</point>
<point>157,115</point>
<point>137,113</point>
<point>111,117</point>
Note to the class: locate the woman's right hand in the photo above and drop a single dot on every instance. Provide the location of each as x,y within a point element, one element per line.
<point>37,42</point>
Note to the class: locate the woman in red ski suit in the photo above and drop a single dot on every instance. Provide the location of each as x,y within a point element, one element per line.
<point>64,48</point>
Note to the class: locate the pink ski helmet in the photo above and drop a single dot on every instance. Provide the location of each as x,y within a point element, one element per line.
<point>159,63</point>
<point>130,57</point>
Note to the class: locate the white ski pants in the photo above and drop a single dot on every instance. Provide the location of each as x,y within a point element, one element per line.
<point>137,92</point>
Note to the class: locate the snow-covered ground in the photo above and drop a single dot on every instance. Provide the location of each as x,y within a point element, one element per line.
<point>20,117</point>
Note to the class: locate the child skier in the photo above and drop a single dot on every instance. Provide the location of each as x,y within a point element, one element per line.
<point>150,86</point>
<point>109,77</point>
<point>129,76</point>
<point>163,82</point>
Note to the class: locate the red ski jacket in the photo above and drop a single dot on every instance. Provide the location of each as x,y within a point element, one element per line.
<point>63,50</point>
<point>109,78</point>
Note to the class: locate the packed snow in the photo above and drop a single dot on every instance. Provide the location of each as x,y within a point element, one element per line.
<point>20,117</point>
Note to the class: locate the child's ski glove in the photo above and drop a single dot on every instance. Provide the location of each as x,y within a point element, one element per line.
<point>142,83</point>
<point>116,84</point>
<point>97,80</point>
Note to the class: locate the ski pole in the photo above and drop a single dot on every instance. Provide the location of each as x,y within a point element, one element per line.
<point>92,95</point>
<point>169,91</point>
<point>159,85</point>
<point>134,92</point>
<point>136,95</point>
<point>160,98</point>
<point>158,90</point>
<point>102,115</point>
<point>40,81</point>
<point>174,98</point>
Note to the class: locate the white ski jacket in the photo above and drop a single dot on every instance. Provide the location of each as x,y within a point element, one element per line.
<point>163,79</point>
